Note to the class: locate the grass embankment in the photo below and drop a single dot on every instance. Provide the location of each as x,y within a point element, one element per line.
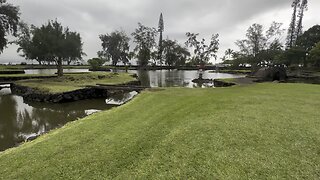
<point>71,82</point>
<point>13,70</point>
<point>26,75</point>
<point>11,67</point>
<point>29,66</point>
<point>239,81</point>
<point>232,71</point>
<point>262,131</point>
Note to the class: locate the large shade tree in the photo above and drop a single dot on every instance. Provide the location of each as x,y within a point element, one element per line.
<point>144,37</point>
<point>203,52</point>
<point>298,54</point>
<point>314,56</point>
<point>9,20</point>
<point>50,43</point>
<point>115,47</point>
<point>309,38</point>
<point>260,45</point>
<point>174,54</point>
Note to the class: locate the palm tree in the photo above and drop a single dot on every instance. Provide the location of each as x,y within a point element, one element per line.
<point>229,53</point>
<point>9,20</point>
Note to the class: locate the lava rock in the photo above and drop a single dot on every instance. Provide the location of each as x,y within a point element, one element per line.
<point>271,74</point>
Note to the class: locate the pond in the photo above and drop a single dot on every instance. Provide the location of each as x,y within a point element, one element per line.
<point>158,78</point>
<point>20,120</point>
<point>178,78</point>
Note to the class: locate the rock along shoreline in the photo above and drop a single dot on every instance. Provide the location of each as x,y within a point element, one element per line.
<point>34,95</point>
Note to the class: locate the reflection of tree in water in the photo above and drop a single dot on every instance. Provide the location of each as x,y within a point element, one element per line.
<point>144,77</point>
<point>8,117</point>
<point>175,78</point>
<point>162,78</point>
<point>49,116</point>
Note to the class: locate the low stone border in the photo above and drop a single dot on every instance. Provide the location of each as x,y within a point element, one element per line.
<point>31,94</point>
<point>221,83</point>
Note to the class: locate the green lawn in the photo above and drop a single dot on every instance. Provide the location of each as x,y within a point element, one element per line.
<point>29,66</point>
<point>71,82</point>
<point>25,75</point>
<point>11,67</point>
<point>261,131</point>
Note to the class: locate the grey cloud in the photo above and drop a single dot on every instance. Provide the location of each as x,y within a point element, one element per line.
<point>91,18</point>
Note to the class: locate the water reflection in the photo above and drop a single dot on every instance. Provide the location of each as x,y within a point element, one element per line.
<point>19,120</point>
<point>177,78</point>
<point>157,78</point>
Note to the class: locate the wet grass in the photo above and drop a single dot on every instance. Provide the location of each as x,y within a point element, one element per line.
<point>262,131</point>
<point>75,81</point>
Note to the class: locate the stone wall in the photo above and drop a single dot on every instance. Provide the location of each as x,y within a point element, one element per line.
<point>221,83</point>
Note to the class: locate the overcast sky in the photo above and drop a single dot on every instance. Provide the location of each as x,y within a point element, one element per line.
<point>229,18</point>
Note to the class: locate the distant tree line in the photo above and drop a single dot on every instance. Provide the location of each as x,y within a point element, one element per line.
<point>52,43</point>
<point>115,48</point>
<point>267,48</point>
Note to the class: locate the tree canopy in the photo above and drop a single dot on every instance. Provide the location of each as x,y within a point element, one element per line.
<point>115,47</point>
<point>314,56</point>
<point>309,38</point>
<point>144,37</point>
<point>261,46</point>
<point>9,20</point>
<point>203,52</point>
<point>174,54</point>
<point>50,43</point>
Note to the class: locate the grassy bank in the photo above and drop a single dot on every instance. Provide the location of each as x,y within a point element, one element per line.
<point>244,81</point>
<point>240,71</point>
<point>25,75</point>
<point>71,82</point>
<point>29,66</point>
<point>262,131</point>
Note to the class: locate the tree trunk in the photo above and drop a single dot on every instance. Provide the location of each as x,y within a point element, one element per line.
<point>59,68</point>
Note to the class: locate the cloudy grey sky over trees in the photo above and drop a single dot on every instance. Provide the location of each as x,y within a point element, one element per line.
<point>229,18</point>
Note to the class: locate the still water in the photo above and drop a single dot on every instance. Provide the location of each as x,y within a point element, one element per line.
<point>176,78</point>
<point>158,78</point>
<point>20,120</point>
